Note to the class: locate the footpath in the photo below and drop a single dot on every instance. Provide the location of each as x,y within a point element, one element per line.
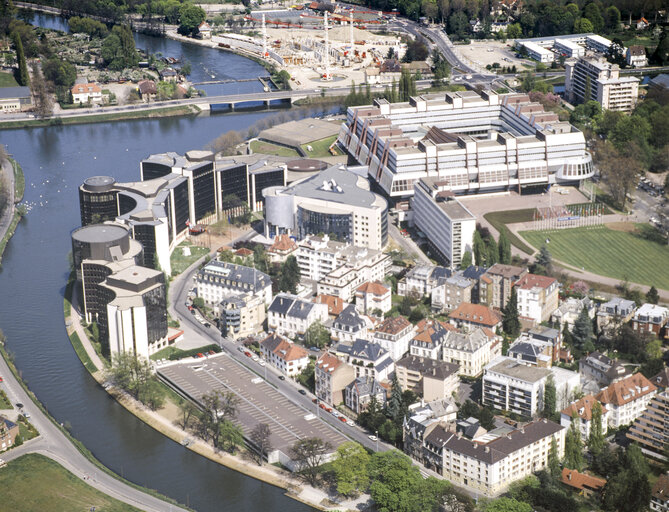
<point>7,215</point>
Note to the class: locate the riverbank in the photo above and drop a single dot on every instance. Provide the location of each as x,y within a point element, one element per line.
<point>163,422</point>
<point>10,218</point>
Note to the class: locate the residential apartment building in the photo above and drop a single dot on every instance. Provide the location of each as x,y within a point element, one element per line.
<point>614,313</point>
<point>471,316</point>
<point>291,316</point>
<point>350,326</point>
<point>367,358</point>
<point>471,351</point>
<point>241,315</point>
<point>570,310</point>
<point>335,304</point>
<point>635,56</point>
<point>331,376</point>
<point>422,419</point>
<point>429,339</point>
<point>590,78</point>
<point>495,285</point>
<point>283,354</point>
<point>627,399</point>
<point>421,279</point>
<point>359,393</point>
<point>219,279</point>
<point>448,225</point>
<point>282,247</point>
<point>450,292</point>
<point>537,296</point>
<point>651,428</point>
<point>531,351</point>
<point>430,379</point>
<point>394,335</point>
<point>602,369</point>
<point>652,318</point>
<point>475,142</point>
<point>581,410</point>
<point>335,201</point>
<point>659,496</point>
<point>489,468</point>
<point>538,53</point>
<point>585,485</point>
<point>373,297</point>
<point>8,432</point>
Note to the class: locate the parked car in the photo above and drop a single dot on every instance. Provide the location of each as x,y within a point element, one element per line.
<point>301,391</point>
<point>281,377</point>
<point>373,438</point>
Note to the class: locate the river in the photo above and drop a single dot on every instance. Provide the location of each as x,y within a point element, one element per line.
<point>55,161</point>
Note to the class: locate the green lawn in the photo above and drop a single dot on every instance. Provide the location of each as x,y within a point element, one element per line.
<point>179,262</point>
<point>4,401</point>
<point>7,80</point>
<point>267,148</point>
<point>165,353</point>
<point>81,352</point>
<point>499,219</point>
<point>319,148</point>
<point>36,483</point>
<point>607,252</point>
<point>19,182</point>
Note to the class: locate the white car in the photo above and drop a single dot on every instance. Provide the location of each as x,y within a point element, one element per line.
<point>255,358</point>
<point>262,363</point>
<point>373,438</point>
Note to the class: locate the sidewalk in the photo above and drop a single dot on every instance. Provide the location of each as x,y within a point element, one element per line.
<point>7,172</point>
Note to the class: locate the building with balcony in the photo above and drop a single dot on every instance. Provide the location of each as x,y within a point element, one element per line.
<point>452,291</point>
<point>373,297</point>
<point>496,283</point>
<point>627,399</point>
<point>596,79</point>
<point>430,379</point>
<point>537,296</point>
<point>291,316</point>
<point>241,315</point>
<point>614,313</point>
<point>651,428</point>
<point>659,497</point>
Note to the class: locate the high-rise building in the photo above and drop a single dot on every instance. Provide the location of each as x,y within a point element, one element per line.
<point>651,429</point>
<point>596,79</point>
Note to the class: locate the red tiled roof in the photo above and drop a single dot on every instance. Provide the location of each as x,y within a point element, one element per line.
<point>393,325</point>
<point>582,407</point>
<point>283,243</point>
<point>476,313</point>
<point>573,478</point>
<point>625,391</point>
<point>335,304</point>
<point>375,288</point>
<point>82,88</point>
<point>329,363</point>
<point>243,252</point>
<point>529,281</point>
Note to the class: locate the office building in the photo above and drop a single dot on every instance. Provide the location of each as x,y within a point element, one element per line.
<point>447,224</point>
<point>568,48</point>
<point>538,53</point>
<point>336,202</point>
<point>596,79</point>
<point>291,316</point>
<point>218,280</point>
<point>598,43</point>
<point>473,143</point>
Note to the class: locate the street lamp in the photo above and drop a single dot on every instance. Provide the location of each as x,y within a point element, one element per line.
<point>377,440</point>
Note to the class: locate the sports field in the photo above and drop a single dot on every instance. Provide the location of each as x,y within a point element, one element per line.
<point>607,252</point>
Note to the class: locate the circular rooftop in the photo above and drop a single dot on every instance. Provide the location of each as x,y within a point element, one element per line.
<point>100,233</point>
<point>99,183</point>
<point>306,165</point>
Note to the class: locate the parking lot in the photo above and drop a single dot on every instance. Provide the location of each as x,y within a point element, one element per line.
<point>259,401</point>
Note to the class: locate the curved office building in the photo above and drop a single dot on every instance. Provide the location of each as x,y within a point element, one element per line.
<point>335,202</point>
<point>98,200</point>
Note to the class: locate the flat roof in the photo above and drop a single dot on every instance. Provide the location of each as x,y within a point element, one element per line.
<point>98,233</point>
<point>512,368</point>
<point>14,92</point>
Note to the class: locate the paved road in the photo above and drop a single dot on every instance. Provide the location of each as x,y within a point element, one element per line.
<point>408,245</point>
<point>55,445</point>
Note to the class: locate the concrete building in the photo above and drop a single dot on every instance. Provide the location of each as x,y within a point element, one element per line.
<point>615,312</point>
<point>86,93</point>
<point>15,99</point>
<point>291,316</point>
<point>421,279</point>
<point>473,143</point>
<point>394,335</point>
<point>570,309</point>
<point>429,339</point>
<point>367,358</point>
<point>627,399</point>
<point>568,48</point>
<point>471,351</point>
<point>537,296</point>
<point>635,56</point>
<point>598,43</point>
<point>531,351</point>
<point>284,355</point>
<point>422,419</point>
<point>241,315</point>
<point>218,280</point>
<point>538,53</point>
<point>448,225</point>
<point>470,316</point>
<point>495,285</point>
<point>596,79</point>
<point>450,292</point>
<point>331,376</point>
<point>336,202</point>
<point>489,468</point>
<point>359,393</point>
<point>582,411</point>
<point>373,296</point>
<point>350,325</point>
<point>651,428</point>
<point>430,379</point>
<point>659,497</point>
<point>601,369</point>
<point>653,319</point>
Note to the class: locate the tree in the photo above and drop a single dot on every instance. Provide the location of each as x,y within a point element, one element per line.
<point>395,481</point>
<point>628,490</point>
<point>260,438</point>
<point>190,17</point>
<point>554,461</point>
<point>582,330</point>
<point>504,247</point>
<point>394,407</point>
<point>350,467</point>
<point>596,440</point>
<point>416,50</point>
<point>506,505</point>
<point>573,446</point>
<point>118,49</point>
<point>22,77</point>
<point>466,260</point>
<point>230,436</point>
<point>620,165</point>
<point>492,251</point>
<point>510,320</point>
<point>317,335</point>
<point>652,296</point>
<point>487,418</point>
<point>514,31</point>
<point>479,249</point>
<point>187,412</point>
<point>289,276</point>
<point>550,398</point>
<point>309,455</point>
<point>458,24</point>
<point>612,18</point>
<point>543,262</point>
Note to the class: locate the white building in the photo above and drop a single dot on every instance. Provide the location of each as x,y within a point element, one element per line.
<point>537,296</point>
<point>86,93</point>
<point>284,355</point>
<point>471,351</point>
<point>569,48</point>
<point>218,279</point>
<point>598,43</point>
<point>373,296</point>
<point>350,325</point>
<point>536,52</point>
<point>627,399</point>
<point>447,224</point>
<point>421,279</point>
<point>473,142</point>
<point>603,81</point>
<point>429,339</point>
<point>394,335</point>
<point>336,202</point>
<point>582,410</point>
<point>291,316</point>
<point>367,358</point>
<point>571,309</point>
<point>635,56</point>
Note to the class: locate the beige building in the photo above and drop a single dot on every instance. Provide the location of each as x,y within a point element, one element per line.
<point>495,285</point>
<point>283,354</point>
<point>627,399</point>
<point>241,315</point>
<point>582,411</point>
<point>373,296</point>
<point>471,351</point>
<point>432,380</point>
<point>15,99</point>
<point>331,376</point>
<point>537,297</point>
<point>596,79</point>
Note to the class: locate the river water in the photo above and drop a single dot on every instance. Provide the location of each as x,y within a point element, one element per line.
<point>55,161</point>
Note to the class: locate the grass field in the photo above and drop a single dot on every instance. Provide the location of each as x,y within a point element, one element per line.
<point>34,483</point>
<point>7,80</point>
<point>267,148</point>
<point>607,252</point>
<point>319,148</point>
<point>81,352</point>
<point>499,219</point>
<point>179,262</point>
